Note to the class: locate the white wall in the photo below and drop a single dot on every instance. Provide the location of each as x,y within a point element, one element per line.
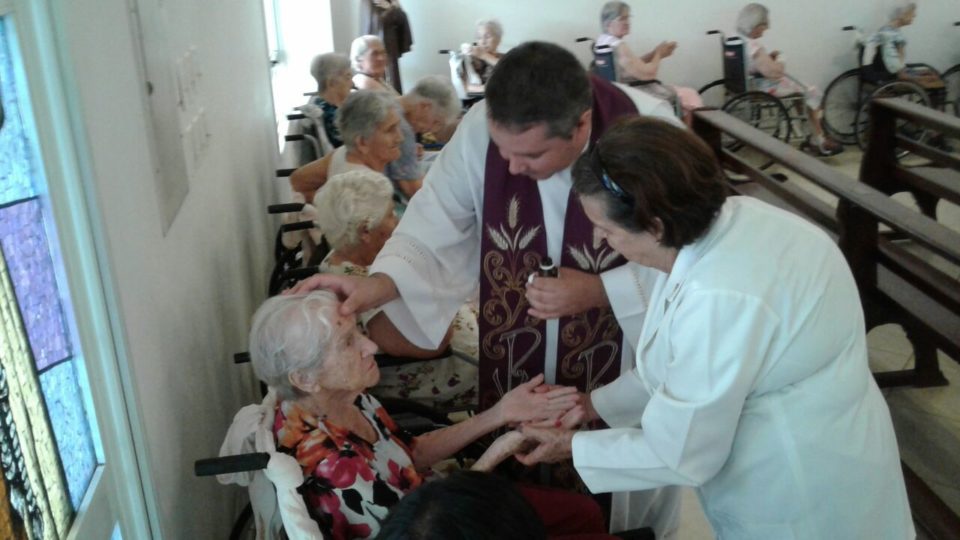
<point>185,298</point>
<point>808,32</point>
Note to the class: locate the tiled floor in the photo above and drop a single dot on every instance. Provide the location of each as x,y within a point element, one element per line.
<point>927,420</point>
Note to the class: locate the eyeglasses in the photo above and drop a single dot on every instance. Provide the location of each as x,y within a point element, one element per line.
<point>608,183</point>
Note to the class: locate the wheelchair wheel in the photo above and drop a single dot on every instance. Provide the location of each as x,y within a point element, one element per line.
<point>764,112</point>
<point>841,102</point>
<point>714,94</point>
<point>899,89</point>
<point>951,78</point>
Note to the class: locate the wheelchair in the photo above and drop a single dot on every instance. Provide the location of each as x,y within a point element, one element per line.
<point>846,102</point>
<point>604,66</point>
<point>734,94</point>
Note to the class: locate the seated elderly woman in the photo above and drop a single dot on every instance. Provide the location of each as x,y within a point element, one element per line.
<point>615,24</point>
<point>355,461</point>
<point>369,123</point>
<point>482,55</point>
<point>355,212</point>
<point>333,75</point>
<point>368,58</point>
<point>888,47</point>
<point>771,77</point>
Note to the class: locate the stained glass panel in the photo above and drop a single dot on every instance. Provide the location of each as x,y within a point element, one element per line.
<point>15,160</point>
<point>61,392</point>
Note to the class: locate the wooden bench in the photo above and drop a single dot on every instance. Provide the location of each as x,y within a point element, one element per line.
<point>896,284</point>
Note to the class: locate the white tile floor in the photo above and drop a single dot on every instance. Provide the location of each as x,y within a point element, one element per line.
<point>927,420</point>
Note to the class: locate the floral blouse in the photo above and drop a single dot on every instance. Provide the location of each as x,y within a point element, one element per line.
<point>350,484</point>
<point>449,382</point>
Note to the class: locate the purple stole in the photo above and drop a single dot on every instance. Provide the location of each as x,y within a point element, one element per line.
<point>512,347</point>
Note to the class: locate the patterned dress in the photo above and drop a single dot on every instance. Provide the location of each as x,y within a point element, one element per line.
<point>446,383</point>
<point>350,484</point>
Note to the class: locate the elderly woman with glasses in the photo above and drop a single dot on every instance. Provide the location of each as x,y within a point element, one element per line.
<point>368,58</point>
<point>355,461</point>
<point>771,77</point>
<point>333,75</point>
<point>355,211</point>
<point>615,24</point>
<point>751,381</point>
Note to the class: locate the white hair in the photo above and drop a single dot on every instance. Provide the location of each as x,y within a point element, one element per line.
<point>752,16</point>
<point>440,93</point>
<point>291,334</point>
<point>327,66</point>
<point>349,201</point>
<point>901,9</point>
<point>610,12</point>
<point>359,47</point>
<point>362,113</point>
<point>493,25</point>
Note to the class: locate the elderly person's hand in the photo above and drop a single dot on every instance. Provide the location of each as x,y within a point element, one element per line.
<point>525,404</point>
<point>359,294</point>
<point>553,445</point>
<point>503,447</point>
<point>666,48</point>
<point>570,293</point>
<point>573,418</point>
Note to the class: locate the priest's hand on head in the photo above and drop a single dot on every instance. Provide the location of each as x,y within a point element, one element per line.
<point>571,293</point>
<point>554,445</point>
<point>358,294</point>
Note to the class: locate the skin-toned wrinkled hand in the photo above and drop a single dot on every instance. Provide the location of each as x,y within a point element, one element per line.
<point>570,293</point>
<point>666,48</point>
<point>553,445</point>
<point>505,446</point>
<point>358,294</point>
<point>525,404</point>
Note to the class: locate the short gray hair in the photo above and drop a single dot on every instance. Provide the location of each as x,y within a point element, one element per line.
<point>359,47</point>
<point>327,66</point>
<point>752,16</point>
<point>901,9</point>
<point>291,334</point>
<point>350,200</point>
<point>440,93</point>
<point>610,12</point>
<point>493,25</point>
<point>361,114</point>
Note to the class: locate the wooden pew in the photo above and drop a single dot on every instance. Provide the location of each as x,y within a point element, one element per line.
<point>895,284</point>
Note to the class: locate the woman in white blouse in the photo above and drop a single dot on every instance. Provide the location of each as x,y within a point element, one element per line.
<point>751,381</point>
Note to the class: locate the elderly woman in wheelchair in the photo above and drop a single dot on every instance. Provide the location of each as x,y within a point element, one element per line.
<point>884,53</point>
<point>334,81</point>
<point>355,462</point>
<point>640,70</point>
<point>481,56</point>
<point>769,75</point>
<point>355,211</point>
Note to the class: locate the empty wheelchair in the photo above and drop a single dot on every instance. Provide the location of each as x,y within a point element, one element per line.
<point>736,95</point>
<point>846,102</point>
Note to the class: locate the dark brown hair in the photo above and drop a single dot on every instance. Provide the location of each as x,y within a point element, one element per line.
<point>654,170</point>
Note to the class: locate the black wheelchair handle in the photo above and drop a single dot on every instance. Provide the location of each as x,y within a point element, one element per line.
<point>849,28</point>
<point>582,39</point>
<point>283,173</point>
<point>295,137</point>
<point>284,208</point>
<point>712,32</point>
<point>445,51</point>
<point>241,358</point>
<point>298,226</point>
<point>957,23</point>
<point>296,116</point>
<point>231,464</point>
<point>301,273</point>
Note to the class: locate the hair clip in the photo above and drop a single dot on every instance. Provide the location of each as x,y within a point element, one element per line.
<point>607,182</point>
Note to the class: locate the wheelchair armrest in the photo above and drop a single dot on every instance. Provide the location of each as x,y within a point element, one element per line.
<point>231,464</point>
<point>644,82</point>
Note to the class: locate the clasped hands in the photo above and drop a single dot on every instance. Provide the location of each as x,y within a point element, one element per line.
<point>546,417</point>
